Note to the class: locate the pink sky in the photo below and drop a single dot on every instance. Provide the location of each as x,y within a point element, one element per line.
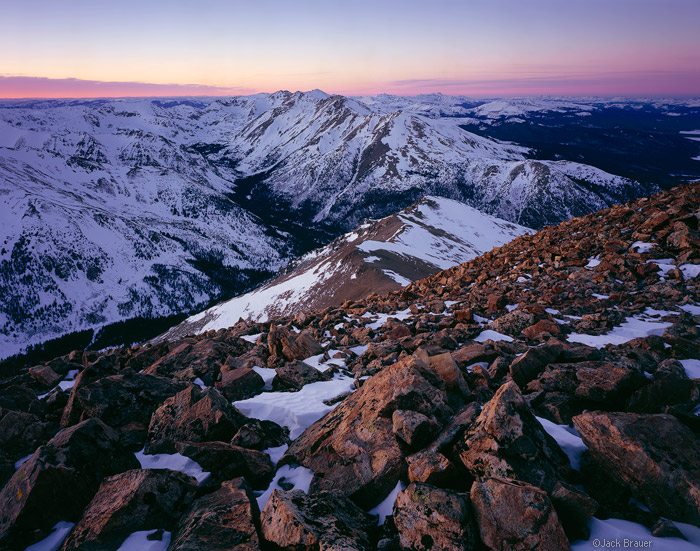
<point>81,48</point>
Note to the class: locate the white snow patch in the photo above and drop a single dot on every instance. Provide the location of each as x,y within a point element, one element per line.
<point>690,270</point>
<point>300,477</point>
<point>593,262</point>
<point>267,375</point>
<point>493,335</point>
<point>632,328</point>
<point>174,462</point>
<point>511,307</point>
<point>138,541</point>
<point>360,349</point>
<point>692,368</point>
<point>480,364</point>
<point>601,297</point>
<point>200,383</point>
<point>276,453</point>
<point>386,507</point>
<point>251,338</point>
<point>568,439</point>
<point>54,540</point>
<point>642,247</point>
<point>627,533</point>
<point>297,410</point>
<point>19,462</point>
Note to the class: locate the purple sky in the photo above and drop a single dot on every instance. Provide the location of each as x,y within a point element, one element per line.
<point>95,48</point>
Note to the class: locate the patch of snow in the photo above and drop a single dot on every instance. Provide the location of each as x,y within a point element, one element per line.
<point>138,541</point>
<point>360,349</point>
<point>251,338</point>
<point>174,462</point>
<point>593,262</point>
<point>19,462</point>
<point>511,307</point>
<point>386,507</point>
<point>300,477</point>
<point>601,297</point>
<point>480,319</point>
<point>493,335</point>
<point>642,247</point>
<point>691,309</point>
<point>54,540</point>
<point>200,383</point>
<point>551,311</point>
<point>267,375</point>
<point>632,328</point>
<point>297,410</point>
<point>568,439</point>
<point>690,270</point>
<point>276,453</point>
<point>398,278</point>
<point>605,534</point>
<point>692,368</point>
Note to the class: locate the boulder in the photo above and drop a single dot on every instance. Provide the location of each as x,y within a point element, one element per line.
<point>22,433</point>
<point>129,502</point>
<point>430,518</point>
<point>353,449</point>
<point>297,374</point>
<point>542,329</point>
<point>224,520</point>
<point>414,428</point>
<point>192,415</point>
<point>59,480</point>
<point>513,322</point>
<point>656,456</point>
<point>447,369</point>
<point>575,509</point>
<point>283,344</point>
<point>260,435</point>
<point>507,441</point>
<point>122,399</point>
<point>226,461</point>
<point>432,467</point>
<point>325,520</point>
<point>514,516</point>
<point>241,383</point>
<point>529,365</point>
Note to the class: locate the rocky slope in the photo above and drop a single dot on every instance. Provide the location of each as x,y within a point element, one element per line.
<point>379,256</point>
<point>542,395</point>
<point>113,209</point>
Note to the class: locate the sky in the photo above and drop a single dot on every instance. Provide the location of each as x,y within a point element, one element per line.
<point>480,48</point>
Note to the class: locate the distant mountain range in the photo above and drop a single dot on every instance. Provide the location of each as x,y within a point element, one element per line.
<point>114,209</point>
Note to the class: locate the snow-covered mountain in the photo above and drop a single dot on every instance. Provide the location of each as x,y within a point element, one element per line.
<point>112,209</point>
<point>379,256</point>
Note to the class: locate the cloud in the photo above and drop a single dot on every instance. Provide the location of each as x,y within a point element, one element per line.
<point>42,87</point>
<point>630,82</point>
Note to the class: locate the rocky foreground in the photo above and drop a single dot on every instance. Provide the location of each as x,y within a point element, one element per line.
<point>512,402</point>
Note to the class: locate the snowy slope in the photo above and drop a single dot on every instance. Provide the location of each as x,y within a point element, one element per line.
<point>379,256</point>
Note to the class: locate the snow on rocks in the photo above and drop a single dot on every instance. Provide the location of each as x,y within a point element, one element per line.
<point>297,410</point>
<point>174,462</point>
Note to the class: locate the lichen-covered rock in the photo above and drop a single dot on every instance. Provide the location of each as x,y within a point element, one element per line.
<point>320,521</point>
<point>129,502</point>
<point>192,415</point>
<point>656,456</point>
<point>430,518</point>
<point>353,449</point>
<point>507,441</point>
<point>514,516</point>
<point>59,480</point>
<point>224,520</point>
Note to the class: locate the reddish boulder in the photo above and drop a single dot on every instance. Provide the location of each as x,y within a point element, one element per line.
<point>429,518</point>
<point>656,456</point>
<point>542,328</point>
<point>325,520</point>
<point>226,461</point>
<point>59,480</point>
<point>129,502</point>
<point>353,449</point>
<point>507,441</point>
<point>514,516</point>
<point>224,520</point>
<point>241,383</point>
<point>414,428</point>
<point>192,415</point>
